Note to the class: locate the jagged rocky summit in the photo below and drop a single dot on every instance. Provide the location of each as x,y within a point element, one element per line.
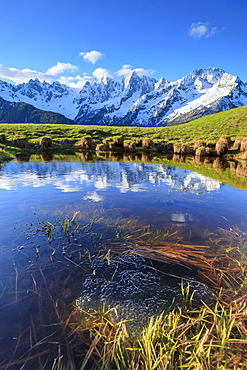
<point>136,101</point>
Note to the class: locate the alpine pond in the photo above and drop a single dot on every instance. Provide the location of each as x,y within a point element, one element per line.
<point>73,233</point>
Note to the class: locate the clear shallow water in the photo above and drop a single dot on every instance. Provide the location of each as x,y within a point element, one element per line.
<point>35,193</point>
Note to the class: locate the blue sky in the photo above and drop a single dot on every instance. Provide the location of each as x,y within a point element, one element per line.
<point>72,41</point>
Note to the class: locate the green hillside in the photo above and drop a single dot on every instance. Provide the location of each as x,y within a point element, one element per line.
<point>209,129</point>
<point>232,122</point>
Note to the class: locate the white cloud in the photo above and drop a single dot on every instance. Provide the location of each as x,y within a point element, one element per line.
<point>61,68</point>
<point>127,70</point>
<point>201,29</point>
<point>102,74</point>
<point>20,75</point>
<point>24,75</point>
<point>92,56</point>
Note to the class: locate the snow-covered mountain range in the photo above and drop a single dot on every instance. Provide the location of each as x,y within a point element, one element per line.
<point>136,101</point>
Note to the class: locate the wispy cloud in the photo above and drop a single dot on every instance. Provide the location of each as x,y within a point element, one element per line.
<point>201,30</point>
<point>92,56</point>
<point>127,70</point>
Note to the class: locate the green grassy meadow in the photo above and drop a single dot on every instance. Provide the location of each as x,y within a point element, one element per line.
<point>208,129</point>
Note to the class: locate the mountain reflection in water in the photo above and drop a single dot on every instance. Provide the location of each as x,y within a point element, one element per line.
<point>156,194</point>
<point>71,177</point>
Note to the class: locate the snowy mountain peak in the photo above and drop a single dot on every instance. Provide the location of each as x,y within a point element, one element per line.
<point>104,79</point>
<point>210,75</point>
<point>134,83</point>
<point>130,79</point>
<point>137,100</point>
<point>162,83</point>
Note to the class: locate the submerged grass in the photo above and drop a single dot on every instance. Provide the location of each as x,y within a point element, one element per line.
<point>60,336</point>
<point>205,337</point>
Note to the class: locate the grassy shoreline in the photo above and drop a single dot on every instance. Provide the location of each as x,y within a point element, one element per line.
<point>5,156</point>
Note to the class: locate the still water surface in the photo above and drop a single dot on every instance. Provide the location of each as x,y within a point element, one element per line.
<point>150,193</point>
<point>35,193</point>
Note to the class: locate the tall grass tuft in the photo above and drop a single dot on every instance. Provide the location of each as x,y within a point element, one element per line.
<point>205,338</point>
